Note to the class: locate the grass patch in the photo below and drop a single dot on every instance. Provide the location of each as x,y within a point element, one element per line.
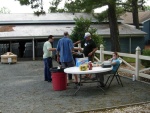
<point>129,60</point>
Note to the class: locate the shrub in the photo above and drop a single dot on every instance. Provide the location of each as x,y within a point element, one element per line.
<point>83,25</point>
<point>146,63</point>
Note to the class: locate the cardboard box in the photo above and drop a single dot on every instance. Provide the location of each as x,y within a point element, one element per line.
<point>9,58</point>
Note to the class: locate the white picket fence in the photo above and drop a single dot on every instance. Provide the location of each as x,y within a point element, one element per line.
<point>135,70</point>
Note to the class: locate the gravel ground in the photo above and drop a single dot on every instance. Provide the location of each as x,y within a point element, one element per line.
<point>143,108</point>
<point>23,90</point>
<point>140,108</point>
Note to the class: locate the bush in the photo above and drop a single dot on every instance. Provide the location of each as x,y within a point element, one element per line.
<point>146,63</point>
<point>81,26</point>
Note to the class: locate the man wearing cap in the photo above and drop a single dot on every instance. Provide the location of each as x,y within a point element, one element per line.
<point>47,58</point>
<point>89,48</point>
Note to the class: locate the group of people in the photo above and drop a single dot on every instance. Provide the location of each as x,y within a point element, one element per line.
<point>65,48</point>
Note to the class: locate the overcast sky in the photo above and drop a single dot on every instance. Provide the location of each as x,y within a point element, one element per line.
<point>14,6</point>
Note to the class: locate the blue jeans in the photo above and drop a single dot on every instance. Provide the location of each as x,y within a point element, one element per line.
<point>47,66</point>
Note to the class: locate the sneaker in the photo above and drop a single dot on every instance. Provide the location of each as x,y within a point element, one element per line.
<point>49,80</point>
<point>78,84</point>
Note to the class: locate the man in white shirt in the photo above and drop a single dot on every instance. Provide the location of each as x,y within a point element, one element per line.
<point>47,58</point>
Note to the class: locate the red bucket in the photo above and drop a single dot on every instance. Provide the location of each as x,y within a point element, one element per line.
<point>59,81</point>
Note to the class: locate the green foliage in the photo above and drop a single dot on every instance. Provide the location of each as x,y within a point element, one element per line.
<point>120,11</point>
<point>146,63</point>
<point>24,2</point>
<point>4,10</point>
<point>129,60</point>
<point>54,7</point>
<point>147,8</point>
<point>128,5</point>
<point>35,4</point>
<point>103,16</point>
<point>97,39</point>
<point>73,6</point>
<point>81,26</point>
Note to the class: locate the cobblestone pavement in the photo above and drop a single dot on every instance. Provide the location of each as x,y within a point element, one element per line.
<point>23,90</point>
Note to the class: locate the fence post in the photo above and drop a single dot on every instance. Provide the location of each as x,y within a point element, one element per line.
<point>137,65</point>
<point>101,53</point>
<point>79,46</point>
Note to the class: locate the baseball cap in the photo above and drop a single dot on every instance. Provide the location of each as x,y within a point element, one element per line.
<point>87,34</point>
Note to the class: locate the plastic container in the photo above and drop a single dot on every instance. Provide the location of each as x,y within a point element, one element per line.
<point>133,77</point>
<point>59,79</point>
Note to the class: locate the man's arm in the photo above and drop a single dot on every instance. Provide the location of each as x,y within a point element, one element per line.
<point>58,56</point>
<point>52,49</point>
<point>77,42</point>
<point>92,52</point>
<point>77,48</point>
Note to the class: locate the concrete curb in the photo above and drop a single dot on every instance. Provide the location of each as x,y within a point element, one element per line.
<point>109,108</point>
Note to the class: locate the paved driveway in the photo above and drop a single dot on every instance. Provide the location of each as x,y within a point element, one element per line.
<point>22,90</point>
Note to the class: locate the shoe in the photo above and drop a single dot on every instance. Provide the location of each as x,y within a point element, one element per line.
<point>49,80</point>
<point>78,84</point>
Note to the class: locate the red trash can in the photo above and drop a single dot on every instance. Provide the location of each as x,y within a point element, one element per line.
<point>59,79</point>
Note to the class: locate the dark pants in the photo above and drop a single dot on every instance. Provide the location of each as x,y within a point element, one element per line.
<point>100,76</point>
<point>90,58</point>
<point>68,64</point>
<point>47,66</point>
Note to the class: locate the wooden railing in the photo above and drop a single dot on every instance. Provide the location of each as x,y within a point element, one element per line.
<point>134,70</point>
<point>137,71</point>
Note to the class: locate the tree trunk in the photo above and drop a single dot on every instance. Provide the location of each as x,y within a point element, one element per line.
<point>135,13</point>
<point>114,32</point>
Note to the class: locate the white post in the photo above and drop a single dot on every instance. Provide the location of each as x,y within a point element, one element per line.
<point>137,65</point>
<point>101,53</point>
<point>79,46</point>
<point>33,49</point>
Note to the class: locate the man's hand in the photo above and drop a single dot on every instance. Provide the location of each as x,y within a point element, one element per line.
<point>58,59</point>
<point>80,49</point>
<point>90,54</point>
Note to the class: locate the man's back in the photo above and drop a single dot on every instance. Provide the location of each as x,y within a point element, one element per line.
<point>65,47</point>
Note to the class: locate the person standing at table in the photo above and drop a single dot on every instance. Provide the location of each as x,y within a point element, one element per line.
<point>89,48</point>
<point>47,58</point>
<point>64,53</point>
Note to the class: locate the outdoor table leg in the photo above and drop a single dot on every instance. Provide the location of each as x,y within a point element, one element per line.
<point>98,80</point>
<point>78,85</point>
<point>101,89</point>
